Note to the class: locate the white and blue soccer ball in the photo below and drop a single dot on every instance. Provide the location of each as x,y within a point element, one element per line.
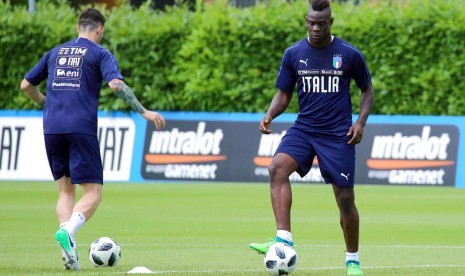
<point>280,259</point>
<point>104,251</point>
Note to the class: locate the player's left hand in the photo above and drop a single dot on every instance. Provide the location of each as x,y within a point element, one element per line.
<point>356,131</point>
<point>156,118</point>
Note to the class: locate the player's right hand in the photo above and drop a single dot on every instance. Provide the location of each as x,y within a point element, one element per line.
<point>265,124</point>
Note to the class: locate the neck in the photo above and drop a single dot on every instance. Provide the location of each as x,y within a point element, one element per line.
<point>322,44</point>
<point>89,37</point>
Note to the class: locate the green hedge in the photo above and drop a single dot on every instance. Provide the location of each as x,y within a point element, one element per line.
<point>221,58</point>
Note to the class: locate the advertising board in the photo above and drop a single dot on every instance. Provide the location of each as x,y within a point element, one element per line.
<point>228,147</point>
<point>22,149</point>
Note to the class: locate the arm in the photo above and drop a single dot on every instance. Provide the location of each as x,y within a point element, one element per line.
<point>33,92</point>
<point>366,103</point>
<point>278,105</point>
<point>125,93</point>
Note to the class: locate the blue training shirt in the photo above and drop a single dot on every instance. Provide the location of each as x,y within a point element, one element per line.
<point>323,78</point>
<point>74,73</point>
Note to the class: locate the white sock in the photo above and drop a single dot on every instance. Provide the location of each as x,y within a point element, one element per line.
<point>285,235</point>
<point>352,256</point>
<point>63,225</point>
<point>75,222</point>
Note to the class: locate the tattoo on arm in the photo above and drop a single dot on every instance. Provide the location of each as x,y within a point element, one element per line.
<point>125,93</point>
<point>42,102</point>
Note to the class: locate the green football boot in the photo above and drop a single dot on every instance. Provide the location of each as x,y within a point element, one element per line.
<point>353,268</point>
<point>68,248</point>
<point>262,248</point>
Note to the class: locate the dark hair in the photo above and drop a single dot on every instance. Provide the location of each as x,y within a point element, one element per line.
<point>319,5</point>
<point>91,18</point>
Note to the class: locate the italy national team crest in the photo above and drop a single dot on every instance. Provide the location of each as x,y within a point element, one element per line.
<point>337,62</point>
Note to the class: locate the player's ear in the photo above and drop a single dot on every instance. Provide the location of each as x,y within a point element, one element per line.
<point>331,20</point>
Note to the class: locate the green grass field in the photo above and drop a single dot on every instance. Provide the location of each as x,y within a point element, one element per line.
<point>205,229</point>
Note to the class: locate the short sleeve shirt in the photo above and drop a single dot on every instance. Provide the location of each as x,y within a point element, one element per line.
<point>323,77</point>
<point>74,72</point>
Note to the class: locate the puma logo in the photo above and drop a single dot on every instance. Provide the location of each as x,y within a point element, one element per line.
<point>346,176</point>
<point>304,61</point>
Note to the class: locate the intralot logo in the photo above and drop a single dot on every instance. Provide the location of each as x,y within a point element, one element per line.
<point>187,142</point>
<point>414,147</point>
<point>267,147</point>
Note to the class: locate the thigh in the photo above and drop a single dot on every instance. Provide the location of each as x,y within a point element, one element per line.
<point>296,145</point>
<point>85,161</point>
<point>57,149</point>
<point>336,160</point>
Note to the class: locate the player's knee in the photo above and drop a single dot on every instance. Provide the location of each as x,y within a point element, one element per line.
<point>97,197</point>
<point>93,195</point>
<point>276,170</point>
<point>345,201</point>
<point>67,194</point>
<point>94,200</point>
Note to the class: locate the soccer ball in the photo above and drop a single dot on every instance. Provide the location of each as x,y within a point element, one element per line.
<point>280,259</point>
<point>104,251</point>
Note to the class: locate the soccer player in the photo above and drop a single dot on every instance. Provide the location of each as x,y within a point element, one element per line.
<point>322,65</point>
<point>74,73</point>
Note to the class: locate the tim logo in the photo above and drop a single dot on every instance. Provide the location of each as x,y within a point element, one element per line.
<point>337,62</point>
<point>78,51</point>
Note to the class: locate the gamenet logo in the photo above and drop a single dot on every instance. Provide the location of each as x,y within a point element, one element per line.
<point>409,152</point>
<point>175,146</point>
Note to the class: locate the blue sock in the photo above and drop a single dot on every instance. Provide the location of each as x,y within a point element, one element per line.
<point>352,262</point>
<point>278,239</point>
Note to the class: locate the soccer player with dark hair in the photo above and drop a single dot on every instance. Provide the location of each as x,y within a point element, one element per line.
<point>74,72</point>
<point>322,66</point>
